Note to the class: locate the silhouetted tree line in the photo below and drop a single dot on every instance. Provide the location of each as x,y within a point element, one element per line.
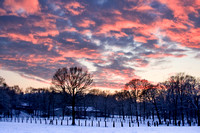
<point>176,100</point>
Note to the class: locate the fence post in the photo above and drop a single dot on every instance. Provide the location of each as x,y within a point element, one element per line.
<point>99,123</point>
<point>113,123</point>
<point>129,124</point>
<point>92,123</point>
<point>121,123</point>
<point>105,124</point>
<point>85,122</point>
<point>79,123</point>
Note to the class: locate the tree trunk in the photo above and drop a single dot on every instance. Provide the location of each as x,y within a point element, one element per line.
<point>136,111</point>
<point>157,112</point>
<point>73,110</point>
<point>144,109</point>
<point>182,114</point>
<point>96,111</point>
<point>153,114</point>
<point>198,115</point>
<point>63,113</point>
<point>53,110</point>
<point>175,117</point>
<point>123,114</point>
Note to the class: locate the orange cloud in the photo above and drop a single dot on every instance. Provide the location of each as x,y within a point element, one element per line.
<point>29,6</point>
<point>75,8</point>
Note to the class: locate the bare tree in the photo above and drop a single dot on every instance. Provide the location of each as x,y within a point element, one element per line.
<point>121,98</point>
<point>2,81</point>
<point>134,91</point>
<point>179,87</point>
<point>72,81</point>
<point>194,93</point>
<point>153,94</point>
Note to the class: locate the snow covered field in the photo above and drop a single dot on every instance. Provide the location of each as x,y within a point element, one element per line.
<point>12,127</point>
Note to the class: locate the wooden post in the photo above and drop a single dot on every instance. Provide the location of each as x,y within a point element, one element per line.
<point>105,124</point>
<point>121,124</point>
<point>99,123</point>
<point>85,122</point>
<point>113,123</point>
<point>79,123</point>
<point>92,123</point>
<point>129,124</point>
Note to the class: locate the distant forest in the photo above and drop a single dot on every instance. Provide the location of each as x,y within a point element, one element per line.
<point>176,100</point>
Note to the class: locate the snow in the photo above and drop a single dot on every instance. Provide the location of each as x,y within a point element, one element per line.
<point>13,127</point>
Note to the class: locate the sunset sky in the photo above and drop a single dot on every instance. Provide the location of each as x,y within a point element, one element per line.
<point>115,40</point>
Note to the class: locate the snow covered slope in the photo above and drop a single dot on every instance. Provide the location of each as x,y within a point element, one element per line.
<point>11,127</point>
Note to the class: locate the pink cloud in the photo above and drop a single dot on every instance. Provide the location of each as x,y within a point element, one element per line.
<point>2,12</point>
<point>86,23</point>
<point>140,39</point>
<point>69,29</point>
<point>180,9</point>
<point>71,40</point>
<point>75,8</point>
<point>17,37</point>
<point>180,33</point>
<point>29,7</point>
<point>84,52</point>
<point>47,33</point>
<point>162,55</point>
